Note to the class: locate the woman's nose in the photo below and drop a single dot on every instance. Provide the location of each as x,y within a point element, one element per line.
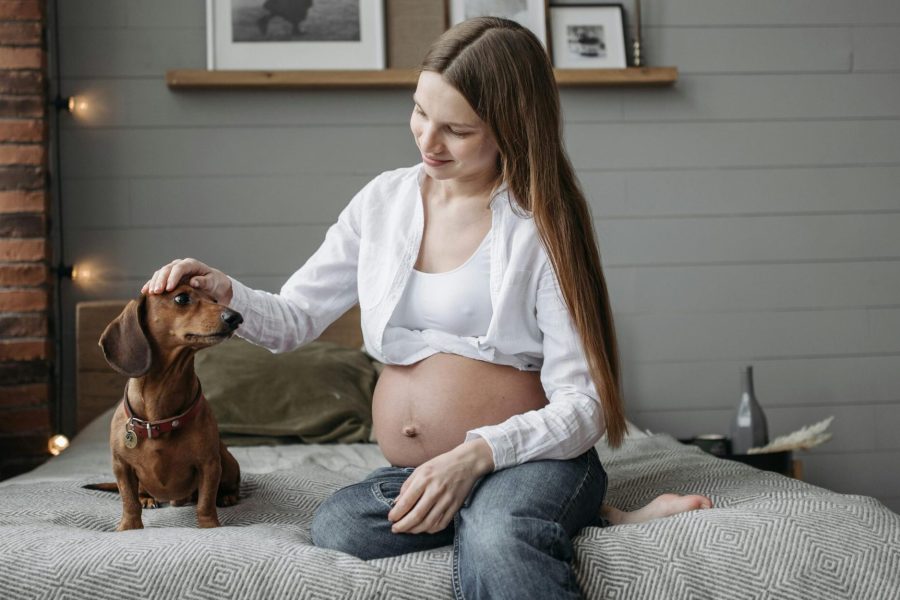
<point>428,140</point>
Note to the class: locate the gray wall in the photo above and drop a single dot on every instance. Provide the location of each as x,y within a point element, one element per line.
<point>748,215</point>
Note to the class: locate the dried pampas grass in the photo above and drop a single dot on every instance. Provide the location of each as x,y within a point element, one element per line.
<point>802,439</point>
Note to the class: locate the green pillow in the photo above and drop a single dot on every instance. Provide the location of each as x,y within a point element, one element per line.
<point>318,393</point>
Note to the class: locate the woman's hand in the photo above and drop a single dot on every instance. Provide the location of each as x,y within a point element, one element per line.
<point>436,490</point>
<point>202,277</point>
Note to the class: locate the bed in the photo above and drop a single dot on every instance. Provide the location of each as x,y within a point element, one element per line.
<point>769,536</point>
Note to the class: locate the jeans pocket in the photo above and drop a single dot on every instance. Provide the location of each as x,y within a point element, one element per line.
<point>386,491</point>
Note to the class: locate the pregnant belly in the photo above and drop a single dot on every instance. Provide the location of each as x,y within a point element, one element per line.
<point>422,410</point>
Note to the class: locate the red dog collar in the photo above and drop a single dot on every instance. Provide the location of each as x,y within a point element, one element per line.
<point>151,429</point>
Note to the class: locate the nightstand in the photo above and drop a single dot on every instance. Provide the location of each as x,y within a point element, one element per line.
<point>777,462</point>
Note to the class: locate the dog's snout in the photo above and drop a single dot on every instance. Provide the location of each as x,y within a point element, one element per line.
<point>232,318</point>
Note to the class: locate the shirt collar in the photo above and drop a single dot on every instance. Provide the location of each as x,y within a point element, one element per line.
<point>501,189</point>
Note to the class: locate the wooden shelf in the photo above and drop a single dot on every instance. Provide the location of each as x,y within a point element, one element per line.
<point>632,77</point>
<point>185,79</point>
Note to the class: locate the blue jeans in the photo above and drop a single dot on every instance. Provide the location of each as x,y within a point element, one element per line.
<point>511,538</point>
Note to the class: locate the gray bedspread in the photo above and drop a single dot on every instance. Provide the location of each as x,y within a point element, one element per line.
<point>768,537</point>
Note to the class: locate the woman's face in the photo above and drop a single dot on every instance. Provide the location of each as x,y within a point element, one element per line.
<point>455,143</point>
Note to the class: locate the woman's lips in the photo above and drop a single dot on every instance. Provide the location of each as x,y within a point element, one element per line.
<point>434,163</point>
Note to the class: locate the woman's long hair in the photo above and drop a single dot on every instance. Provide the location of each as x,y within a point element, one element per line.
<point>503,71</point>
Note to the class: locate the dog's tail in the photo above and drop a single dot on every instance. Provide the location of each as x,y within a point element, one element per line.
<point>103,487</point>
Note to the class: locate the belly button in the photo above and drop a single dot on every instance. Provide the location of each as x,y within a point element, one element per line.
<point>410,431</point>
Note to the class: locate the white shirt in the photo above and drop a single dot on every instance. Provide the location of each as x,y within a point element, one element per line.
<point>367,257</point>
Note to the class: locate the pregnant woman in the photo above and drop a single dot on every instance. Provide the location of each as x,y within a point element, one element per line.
<point>480,288</point>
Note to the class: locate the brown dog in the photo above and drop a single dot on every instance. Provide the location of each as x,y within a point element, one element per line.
<point>164,436</point>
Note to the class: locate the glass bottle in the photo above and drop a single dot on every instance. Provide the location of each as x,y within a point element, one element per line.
<point>748,428</point>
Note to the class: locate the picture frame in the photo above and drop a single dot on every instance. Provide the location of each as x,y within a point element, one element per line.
<point>294,35</point>
<point>588,36</point>
<point>411,28</point>
<point>530,13</point>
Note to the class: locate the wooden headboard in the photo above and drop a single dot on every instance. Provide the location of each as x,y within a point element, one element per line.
<point>97,386</point>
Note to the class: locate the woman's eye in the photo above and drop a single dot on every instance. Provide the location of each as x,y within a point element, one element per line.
<point>457,133</point>
<point>182,299</point>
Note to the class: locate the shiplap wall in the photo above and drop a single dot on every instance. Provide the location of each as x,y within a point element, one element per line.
<point>748,215</point>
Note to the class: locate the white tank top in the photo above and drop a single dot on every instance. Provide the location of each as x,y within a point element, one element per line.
<point>456,302</point>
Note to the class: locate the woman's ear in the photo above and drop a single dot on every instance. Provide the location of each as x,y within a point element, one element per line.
<point>124,342</point>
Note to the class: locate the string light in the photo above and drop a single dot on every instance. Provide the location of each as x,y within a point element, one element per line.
<point>57,444</point>
<point>82,274</point>
<point>74,105</point>
<point>64,103</point>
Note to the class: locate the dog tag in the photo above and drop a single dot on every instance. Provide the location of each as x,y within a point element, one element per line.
<point>131,439</point>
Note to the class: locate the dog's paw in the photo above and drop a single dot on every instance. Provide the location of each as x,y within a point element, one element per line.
<point>227,500</point>
<point>149,502</point>
<point>126,524</point>
<point>207,522</point>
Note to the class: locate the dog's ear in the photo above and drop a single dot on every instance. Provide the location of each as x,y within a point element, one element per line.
<point>124,342</point>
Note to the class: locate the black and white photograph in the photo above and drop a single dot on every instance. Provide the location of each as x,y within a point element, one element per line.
<point>295,34</point>
<point>530,13</point>
<point>586,40</point>
<point>294,20</point>
<point>588,36</point>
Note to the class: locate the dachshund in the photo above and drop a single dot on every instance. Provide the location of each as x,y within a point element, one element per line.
<point>164,437</point>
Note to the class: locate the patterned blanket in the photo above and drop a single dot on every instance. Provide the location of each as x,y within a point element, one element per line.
<point>768,537</point>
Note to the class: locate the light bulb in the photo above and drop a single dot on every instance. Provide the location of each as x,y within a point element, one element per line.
<point>81,273</point>
<point>57,444</point>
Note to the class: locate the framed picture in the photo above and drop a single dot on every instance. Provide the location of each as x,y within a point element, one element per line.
<point>588,36</point>
<point>294,34</point>
<point>412,25</point>
<point>530,13</point>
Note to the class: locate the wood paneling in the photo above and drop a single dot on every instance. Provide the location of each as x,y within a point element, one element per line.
<point>192,152</point>
<point>746,215</point>
<point>876,48</point>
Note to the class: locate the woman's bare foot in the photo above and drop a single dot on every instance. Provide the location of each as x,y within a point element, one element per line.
<point>664,505</point>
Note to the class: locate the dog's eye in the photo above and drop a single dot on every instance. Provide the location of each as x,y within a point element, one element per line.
<point>182,299</point>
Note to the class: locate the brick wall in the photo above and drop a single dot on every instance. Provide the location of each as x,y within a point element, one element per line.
<point>25,285</point>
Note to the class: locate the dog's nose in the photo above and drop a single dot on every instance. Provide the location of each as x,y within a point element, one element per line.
<point>232,318</point>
